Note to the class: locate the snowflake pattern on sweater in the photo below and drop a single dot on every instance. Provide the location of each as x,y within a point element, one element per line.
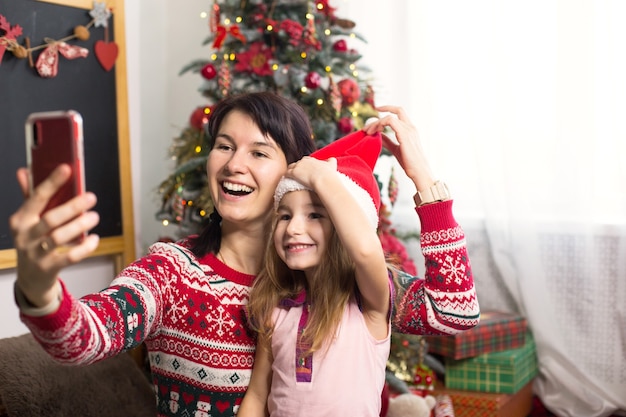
<point>445,302</point>
<point>191,315</point>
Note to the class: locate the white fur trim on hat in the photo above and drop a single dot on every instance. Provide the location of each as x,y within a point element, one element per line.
<point>363,198</point>
<point>286,185</point>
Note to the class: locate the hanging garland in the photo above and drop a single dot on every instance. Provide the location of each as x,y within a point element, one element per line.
<point>106,51</point>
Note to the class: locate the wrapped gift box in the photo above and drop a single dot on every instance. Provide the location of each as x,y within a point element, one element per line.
<point>506,371</point>
<point>485,404</point>
<point>496,331</point>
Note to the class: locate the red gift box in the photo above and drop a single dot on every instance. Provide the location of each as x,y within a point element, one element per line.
<point>496,331</point>
<point>484,404</point>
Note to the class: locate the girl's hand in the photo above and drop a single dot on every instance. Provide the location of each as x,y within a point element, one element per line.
<point>308,170</point>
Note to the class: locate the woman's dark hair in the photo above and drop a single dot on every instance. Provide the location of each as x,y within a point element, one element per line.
<point>276,116</point>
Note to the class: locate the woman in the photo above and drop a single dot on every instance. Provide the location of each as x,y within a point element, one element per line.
<point>186,300</point>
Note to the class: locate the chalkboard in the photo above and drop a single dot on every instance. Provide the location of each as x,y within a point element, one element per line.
<point>81,84</point>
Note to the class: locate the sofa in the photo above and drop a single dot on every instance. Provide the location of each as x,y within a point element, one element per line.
<point>34,385</point>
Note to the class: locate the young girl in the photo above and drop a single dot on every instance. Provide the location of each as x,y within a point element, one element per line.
<point>322,303</point>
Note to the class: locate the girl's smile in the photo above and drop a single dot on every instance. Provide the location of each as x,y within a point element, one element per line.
<point>303,230</point>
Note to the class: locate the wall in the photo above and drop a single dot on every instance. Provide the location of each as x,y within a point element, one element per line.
<point>171,36</point>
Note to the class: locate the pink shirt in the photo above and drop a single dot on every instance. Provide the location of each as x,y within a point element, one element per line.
<point>347,379</point>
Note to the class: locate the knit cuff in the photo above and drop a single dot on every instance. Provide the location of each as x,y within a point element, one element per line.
<point>27,308</point>
<point>436,216</point>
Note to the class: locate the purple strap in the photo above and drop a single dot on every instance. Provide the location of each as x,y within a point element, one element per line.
<point>304,364</point>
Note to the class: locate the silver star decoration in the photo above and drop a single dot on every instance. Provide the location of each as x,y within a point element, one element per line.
<point>100,14</point>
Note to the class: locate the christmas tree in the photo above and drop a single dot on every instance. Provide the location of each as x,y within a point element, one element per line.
<point>297,48</point>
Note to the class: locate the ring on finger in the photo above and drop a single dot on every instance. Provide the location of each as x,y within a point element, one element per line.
<point>45,245</point>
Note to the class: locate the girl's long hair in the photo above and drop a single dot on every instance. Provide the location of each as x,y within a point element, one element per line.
<point>328,292</point>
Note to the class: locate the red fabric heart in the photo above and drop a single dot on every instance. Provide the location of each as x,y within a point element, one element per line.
<point>222,405</point>
<point>187,397</point>
<point>106,52</point>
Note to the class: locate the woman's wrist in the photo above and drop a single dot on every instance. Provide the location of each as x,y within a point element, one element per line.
<point>48,304</point>
<point>437,191</point>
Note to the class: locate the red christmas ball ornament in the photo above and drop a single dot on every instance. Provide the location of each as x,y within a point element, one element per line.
<point>340,46</point>
<point>199,117</point>
<point>424,377</point>
<point>349,90</point>
<point>345,125</point>
<point>208,71</point>
<point>313,80</point>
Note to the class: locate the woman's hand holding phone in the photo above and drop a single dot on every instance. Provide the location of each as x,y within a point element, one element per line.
<point>49,237</point>
<point>39,263</point>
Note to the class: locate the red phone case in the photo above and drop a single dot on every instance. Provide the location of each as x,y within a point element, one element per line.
<point>53,138</point>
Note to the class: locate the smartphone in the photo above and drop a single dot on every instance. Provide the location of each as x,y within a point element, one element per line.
<point>54,138</point>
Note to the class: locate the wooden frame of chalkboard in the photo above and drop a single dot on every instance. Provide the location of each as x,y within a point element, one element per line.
<point>81,84</point>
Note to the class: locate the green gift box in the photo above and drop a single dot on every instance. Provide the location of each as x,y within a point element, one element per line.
<point>505,371</point>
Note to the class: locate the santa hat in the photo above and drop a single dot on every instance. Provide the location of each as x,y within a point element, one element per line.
<point>356,156</point>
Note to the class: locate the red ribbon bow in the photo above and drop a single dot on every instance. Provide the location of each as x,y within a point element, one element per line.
<point>48,61</point>
<point>223,31</point>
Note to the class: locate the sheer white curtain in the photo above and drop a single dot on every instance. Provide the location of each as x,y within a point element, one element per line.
<point>522,108</point>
